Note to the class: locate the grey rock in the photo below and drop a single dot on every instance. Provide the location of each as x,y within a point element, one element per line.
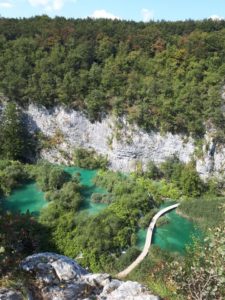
<point>128,290</point>
<point>125,145</point>
<point>134,144</point>
<point>111,286</point>
<point>67,269</point>
<point>97,279</point>
<point>10,294</point>
<point>64,292</point>
<point>61,278</point>
<point>124,153</point>
<point>46,263</point>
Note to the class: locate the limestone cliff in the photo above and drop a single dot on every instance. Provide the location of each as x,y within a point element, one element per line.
<point>124,144</point>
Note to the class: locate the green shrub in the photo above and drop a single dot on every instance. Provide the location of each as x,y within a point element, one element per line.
<point>207,212</point>
<point>101,198</point>
<point>184,176</point>
<point>146,219</point>
<point>126,259</point>
<point>202,275</point>
<point>48,176</point>
<point>153,172</point>
<point>89,159</point>
<point>12,174</point>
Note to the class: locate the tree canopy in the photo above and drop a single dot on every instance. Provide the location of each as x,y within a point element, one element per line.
<point>163,75</point>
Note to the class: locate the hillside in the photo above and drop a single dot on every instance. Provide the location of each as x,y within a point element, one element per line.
<point>165,76</point>
<point>102,124</point>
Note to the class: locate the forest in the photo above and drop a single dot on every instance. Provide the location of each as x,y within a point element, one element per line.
<point>164,76</point>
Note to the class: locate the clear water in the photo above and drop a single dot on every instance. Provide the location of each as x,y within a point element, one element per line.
<point>26,198</point>
<point>29,197</point>
<point>86,177</point>
<point>173,236</point>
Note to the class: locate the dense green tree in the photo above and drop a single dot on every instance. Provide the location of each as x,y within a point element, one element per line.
<point>15,141</point>
<point>12,175</point>
<point>164,76</point>
<point>84,158</point>
<point>49,177</point>
<point>190,182</point>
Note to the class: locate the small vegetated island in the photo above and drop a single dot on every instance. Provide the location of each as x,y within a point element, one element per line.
<point>161,76</point>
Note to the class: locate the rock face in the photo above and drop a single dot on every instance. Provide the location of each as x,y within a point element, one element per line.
<point>56,277</point>
<point>125,146</point>
<point>9,294</point>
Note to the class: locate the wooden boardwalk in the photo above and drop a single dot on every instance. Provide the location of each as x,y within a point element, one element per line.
<point>148,241</point>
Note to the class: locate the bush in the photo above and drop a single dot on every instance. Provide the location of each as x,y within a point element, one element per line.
<point>89,159</point>
<point>190,182</point>
<point>12,174</point>
<point>20,235</point>
<point>68,198</point>
<point>49,177</point>
<point>153,172</point>
<point>206,212</point>
<point>145,220</point>
<point>101,198</point>
<point>202,275</point>
<point>185,177</point>
<point>126,259</point>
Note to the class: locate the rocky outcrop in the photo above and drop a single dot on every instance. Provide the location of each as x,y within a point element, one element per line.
<point>56,277</point>
<point>125,145</point>
<point>10,294</point>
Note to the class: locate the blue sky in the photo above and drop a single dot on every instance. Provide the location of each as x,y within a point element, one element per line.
<point>138,10</point>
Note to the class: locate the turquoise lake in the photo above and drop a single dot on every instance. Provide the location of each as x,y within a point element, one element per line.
<point>29,197</point>
<point>173,236</point>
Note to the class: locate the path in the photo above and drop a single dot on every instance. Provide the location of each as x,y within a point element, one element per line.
<point>148,241</point>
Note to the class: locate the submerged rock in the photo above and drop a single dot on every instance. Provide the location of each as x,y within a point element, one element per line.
<point>57,277</point>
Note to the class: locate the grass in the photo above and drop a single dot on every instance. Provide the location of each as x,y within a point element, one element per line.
<point>206,212</point>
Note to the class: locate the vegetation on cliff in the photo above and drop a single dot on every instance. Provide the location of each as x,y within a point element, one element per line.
<point>89,159</point>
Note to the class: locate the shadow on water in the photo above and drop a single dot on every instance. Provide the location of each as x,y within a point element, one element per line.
<point>25,198</point>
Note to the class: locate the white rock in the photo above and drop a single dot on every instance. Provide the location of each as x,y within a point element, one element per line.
<point>135,144</point>
<point>125,147</point>
<point>75,283</point>
<point>97,279</point>
<point>129,290</point>
<point>65,268</point>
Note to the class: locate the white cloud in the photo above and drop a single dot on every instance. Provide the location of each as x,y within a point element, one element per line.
<point>6,5</point>
<point>216,18</point>
<point>147,14</point>
<point>48,4</point>
<point>97,14</point>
